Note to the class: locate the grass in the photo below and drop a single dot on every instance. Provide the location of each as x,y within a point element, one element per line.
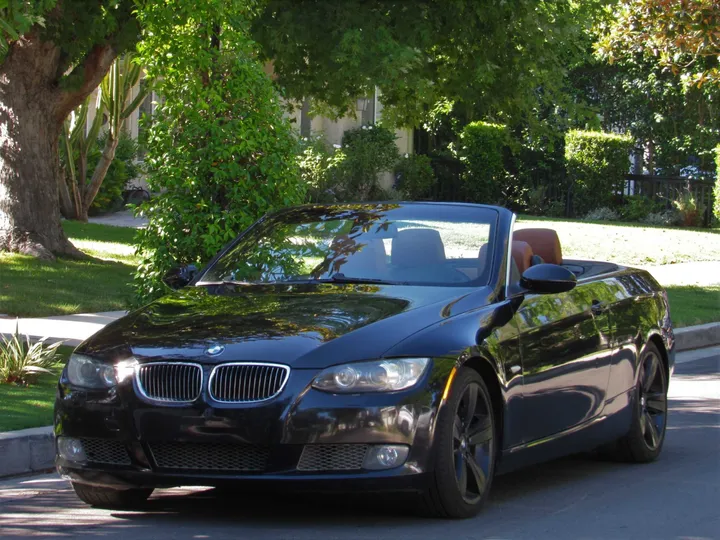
<point>690,305</point>
<point>630,243</point>
<point>33,288</point>
<point>31,406</point>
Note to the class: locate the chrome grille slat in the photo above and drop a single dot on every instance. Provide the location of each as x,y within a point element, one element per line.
<point>247,382</point>
<point>174,382</point>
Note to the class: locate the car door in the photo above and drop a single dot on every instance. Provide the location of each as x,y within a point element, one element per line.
<point>566,349</point>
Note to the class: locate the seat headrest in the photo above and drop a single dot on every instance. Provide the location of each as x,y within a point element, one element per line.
<point>417,247</point>
<point>522,254</point>
<point>367,261</point>
<point>544,242</point>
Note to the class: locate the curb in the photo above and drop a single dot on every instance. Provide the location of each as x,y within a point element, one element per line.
<point>33,450</point>
<point>27,451</point>
<point>697,337</point>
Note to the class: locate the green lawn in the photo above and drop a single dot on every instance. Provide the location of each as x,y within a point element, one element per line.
<point>34,288</point>
<point>691,305</point>
<point>630,243</point>
<point>31,406</point>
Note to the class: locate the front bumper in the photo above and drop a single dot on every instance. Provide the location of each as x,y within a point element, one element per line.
<point>283,427</point>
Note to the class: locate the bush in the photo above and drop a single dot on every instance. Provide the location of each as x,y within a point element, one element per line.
<point>667,218</point>
<point>716,205</point>
<point>366,152</point>
<point>690,210</point>
<point>219,164</point>
<point>318,170</point>
<point>597,164</point>
<point>121,172</point>
<point>602,214</point>
<point>482,149</point>
<point>415,176</point>
<point>638,207</point>
<point>21,361</point>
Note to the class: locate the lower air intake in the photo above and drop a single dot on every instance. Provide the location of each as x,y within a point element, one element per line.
<point>105,451</point>
<point>209,457</point>
<point>332,457</point>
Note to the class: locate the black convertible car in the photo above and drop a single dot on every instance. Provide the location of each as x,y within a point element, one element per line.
<point>410,347</point>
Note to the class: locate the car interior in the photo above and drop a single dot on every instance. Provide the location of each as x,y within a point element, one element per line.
<point>418,255</point>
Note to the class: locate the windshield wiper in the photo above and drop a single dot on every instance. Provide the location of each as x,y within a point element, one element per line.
<point>342,278</point>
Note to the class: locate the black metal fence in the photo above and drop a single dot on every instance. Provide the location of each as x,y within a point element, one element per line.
<point>667,189</point>
<point>558,189</point>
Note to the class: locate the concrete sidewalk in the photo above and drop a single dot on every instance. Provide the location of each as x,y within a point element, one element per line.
<point>702,273</point>
<point>124,218</point>
<point>70,329</point>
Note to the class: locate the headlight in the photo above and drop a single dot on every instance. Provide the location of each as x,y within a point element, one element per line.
<point>378,376</point>
<point>90,373</point>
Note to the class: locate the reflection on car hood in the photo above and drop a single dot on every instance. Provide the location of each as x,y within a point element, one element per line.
<point>301,325</point>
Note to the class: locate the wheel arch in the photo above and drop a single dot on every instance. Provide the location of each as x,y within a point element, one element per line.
<point>657,340</point>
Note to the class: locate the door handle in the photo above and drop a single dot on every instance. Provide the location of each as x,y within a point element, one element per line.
<point>598,307</point>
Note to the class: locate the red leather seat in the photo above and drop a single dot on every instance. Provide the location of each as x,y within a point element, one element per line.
<point>522,254</point>
<point>543,242</point>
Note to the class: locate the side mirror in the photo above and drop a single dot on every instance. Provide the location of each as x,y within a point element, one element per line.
<point>548,278</point>
<point>179,276</point>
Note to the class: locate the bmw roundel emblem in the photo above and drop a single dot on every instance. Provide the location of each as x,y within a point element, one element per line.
<point>215,350</point>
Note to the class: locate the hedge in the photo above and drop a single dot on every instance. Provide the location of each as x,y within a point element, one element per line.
<point>597,164</point>
<point>482,147</point>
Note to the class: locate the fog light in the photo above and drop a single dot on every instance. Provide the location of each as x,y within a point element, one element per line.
<point>385,456</point>
<point>71,449</point>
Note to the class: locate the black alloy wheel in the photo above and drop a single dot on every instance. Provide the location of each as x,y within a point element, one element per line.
<point>652,392</point>
<point>465,443</point>
<point>644,441</point>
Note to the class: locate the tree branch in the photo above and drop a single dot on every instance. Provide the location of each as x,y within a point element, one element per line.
<point>94,67</point>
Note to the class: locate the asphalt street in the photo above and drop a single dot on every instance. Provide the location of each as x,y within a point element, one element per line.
<point>676,497</point>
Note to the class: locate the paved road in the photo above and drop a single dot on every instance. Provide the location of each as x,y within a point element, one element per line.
<point>676,497</point>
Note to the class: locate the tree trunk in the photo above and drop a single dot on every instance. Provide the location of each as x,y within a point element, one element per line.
<point>29,168</point>
<point>101,169</point>
<point>32,109</point>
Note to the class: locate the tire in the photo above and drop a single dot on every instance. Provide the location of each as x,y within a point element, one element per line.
<point>456,457</point>
<point>113,499</point>
<point>644,442</point>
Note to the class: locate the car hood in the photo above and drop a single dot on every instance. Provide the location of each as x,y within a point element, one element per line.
<point>310,326</point>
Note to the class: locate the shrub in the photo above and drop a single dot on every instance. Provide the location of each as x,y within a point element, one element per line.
<point>122,171</point>
<point>638,207</point>
<point>318,174</point>
<point>602,214</point>
<point>482,148</point>
<point>716,205</point>
<point>690,210</point>
<point>218,164</point>
<point>415,176</point>
<point>597,164</point>
<point>367,151</point>
<point>21,361</point>
<point>667,218</point>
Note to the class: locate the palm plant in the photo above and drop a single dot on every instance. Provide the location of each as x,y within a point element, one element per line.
<point>114,103</point>
<point>22,361</point>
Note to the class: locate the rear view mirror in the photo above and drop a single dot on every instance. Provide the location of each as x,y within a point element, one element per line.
<point>548,278</point>
<point>179,276</point>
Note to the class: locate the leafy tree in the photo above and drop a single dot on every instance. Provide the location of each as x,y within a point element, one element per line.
<point>716,204</point>
<point>482,147</point>
<point>53,54</point>
<point>682,35</point>
<point>219,151</point>
<point>675,125</point>
<point>499,59</point>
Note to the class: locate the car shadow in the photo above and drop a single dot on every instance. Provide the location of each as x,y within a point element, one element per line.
<point>517,498</point>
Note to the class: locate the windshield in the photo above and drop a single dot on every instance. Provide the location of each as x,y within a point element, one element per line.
<point>408,244</point>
